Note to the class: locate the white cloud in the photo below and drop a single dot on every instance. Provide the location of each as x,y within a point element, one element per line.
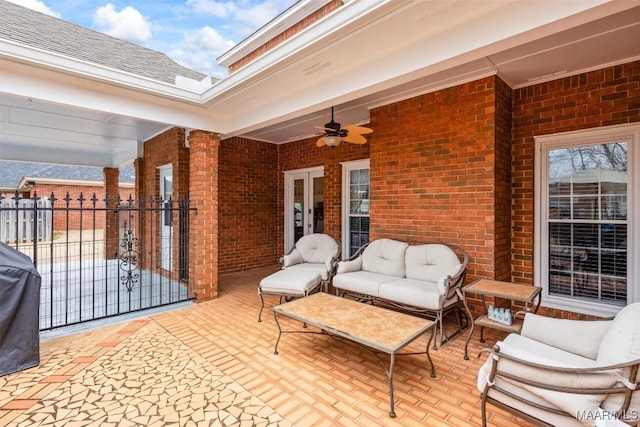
<point>36,5</point>
<point>256,15</point>
<point>243,16</point>
<point>128,24</point>
<point>211,41</point>
<point>199,51</point>
<point>212,7</point>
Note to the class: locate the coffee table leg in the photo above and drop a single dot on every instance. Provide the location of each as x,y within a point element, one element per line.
<point>275,316</point>
<point>473,324</point>
<point>392,413</point>
<point>433,368</point>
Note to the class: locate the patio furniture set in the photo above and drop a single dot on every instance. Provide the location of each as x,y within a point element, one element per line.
<point>551,372</point>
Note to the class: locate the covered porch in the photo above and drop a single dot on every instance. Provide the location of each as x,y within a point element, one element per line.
<point>213,364</point>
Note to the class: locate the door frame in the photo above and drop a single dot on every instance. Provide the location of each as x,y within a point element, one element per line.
<point>307,174</point>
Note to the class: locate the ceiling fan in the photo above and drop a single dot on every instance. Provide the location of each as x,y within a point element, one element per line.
<point>334,134</point>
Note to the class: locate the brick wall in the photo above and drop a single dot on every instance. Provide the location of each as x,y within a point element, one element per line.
<point>60,192</point>
<point>598,98</point>
<point>434,175</point>
<point>503,190</point>
<point>248,208</point>
<point>166,148</point>
<point>204,227</point>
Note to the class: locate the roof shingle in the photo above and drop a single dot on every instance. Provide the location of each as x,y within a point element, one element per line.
<point>38,30</point>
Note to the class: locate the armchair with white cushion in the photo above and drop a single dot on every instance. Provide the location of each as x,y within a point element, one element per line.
<point>310,265</point>
<point>561,372</point>
<point>315,252</point>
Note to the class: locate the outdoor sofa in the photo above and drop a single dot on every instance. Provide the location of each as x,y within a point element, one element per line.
<point>563,372</point>
<point>421,278</point>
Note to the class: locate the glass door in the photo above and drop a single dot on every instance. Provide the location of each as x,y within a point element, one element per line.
<point>166,220</point>
<point>304,204</point>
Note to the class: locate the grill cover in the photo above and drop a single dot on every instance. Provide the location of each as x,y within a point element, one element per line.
<point>19,311</point>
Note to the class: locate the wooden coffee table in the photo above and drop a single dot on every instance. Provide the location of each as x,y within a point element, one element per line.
<point>377,329</point>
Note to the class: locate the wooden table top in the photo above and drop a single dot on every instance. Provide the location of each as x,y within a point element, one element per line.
<point>379,328</point>
<point>500,289</point>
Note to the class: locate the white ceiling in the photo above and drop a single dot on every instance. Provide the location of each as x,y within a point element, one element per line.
<point>370,54</point>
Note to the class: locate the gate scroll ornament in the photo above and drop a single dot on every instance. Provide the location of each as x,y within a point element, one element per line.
<point>129,261</point>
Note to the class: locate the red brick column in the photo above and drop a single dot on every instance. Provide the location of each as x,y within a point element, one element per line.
<point>138,165</point>
<point>111,179</point>
<point>203,224</point>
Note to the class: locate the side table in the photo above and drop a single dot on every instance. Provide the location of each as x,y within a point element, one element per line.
<point>505,290</point>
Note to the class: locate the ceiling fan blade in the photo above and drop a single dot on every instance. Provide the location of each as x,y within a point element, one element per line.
<point>320,142</point>
<point>358,129</point>
<point>355,138</point>
<point>324,128</point>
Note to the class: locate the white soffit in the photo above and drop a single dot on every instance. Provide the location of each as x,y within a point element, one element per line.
<point>394,45</point>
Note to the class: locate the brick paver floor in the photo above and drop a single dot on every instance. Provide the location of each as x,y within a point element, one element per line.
<point>212,364</point>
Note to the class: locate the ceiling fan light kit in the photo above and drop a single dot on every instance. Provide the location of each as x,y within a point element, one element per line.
<point>332,141</point>
<point>335,134</point>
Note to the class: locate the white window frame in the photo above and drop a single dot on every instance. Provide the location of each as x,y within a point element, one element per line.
<point>347,167</point>
<point>627,132</point>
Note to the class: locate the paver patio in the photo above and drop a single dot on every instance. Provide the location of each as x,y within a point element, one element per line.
<point>213,364</point>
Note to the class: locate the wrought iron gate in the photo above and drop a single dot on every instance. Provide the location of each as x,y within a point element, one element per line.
<point>101,258</point>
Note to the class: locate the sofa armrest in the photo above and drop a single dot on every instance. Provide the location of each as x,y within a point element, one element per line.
<point>349,266</point>
<point>574,390</point>
<point>580,337</point>
<point>292,258</point>
<point>450,281</point>
<point>331,263</point>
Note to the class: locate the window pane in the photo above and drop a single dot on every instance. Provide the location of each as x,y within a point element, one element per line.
<point>359,233</point>
<point>587,222</point>
<point>358,221</point>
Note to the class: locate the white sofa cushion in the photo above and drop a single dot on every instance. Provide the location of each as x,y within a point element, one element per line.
<point>581,337</point>
<point>417,293</point>
<point>317,247</point>
<point>621,343</point>
<point>362,282</point>
<point>289,282</point>
<point>321,269</point>
<point>431,262</point>
<point>385,256</point>
<point>292,258</point>
<point>349,266</point>
<point>515,389</point>
<point>536,352</point>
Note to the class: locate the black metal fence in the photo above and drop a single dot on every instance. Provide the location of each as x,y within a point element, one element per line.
<point>101,258</point>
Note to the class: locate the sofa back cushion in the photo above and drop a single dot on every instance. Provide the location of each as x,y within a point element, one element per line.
<point>621,343</point>
<point>317,247</point>
<point>385,256</point>
<point>431,262</point>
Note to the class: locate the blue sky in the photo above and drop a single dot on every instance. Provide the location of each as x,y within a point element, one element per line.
<point>192,32</point>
